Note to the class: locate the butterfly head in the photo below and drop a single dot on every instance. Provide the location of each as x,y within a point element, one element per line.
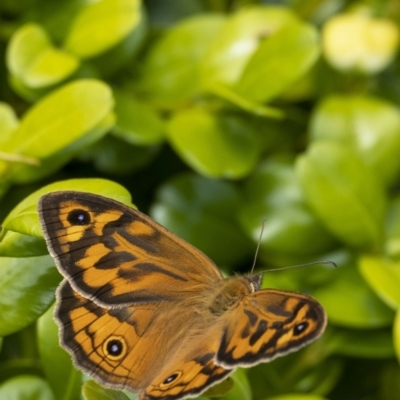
<point>255,282</point>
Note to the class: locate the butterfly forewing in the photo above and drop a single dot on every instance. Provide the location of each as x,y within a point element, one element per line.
<point>116,255</point>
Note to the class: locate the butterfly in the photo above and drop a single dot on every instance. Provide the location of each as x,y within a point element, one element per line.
<point>141,309</point>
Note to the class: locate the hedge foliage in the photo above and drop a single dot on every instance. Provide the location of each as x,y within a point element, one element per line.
<point>212,115</point>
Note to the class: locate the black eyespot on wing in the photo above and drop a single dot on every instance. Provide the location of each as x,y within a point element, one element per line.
<point>79,217</point>
<point>114,347</point>
<point>300,328</point>
<point>171,378</point>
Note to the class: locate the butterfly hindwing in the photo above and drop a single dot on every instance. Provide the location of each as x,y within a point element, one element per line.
<point>123,348</point>
<point>191,371</point>
<point>100,342</point>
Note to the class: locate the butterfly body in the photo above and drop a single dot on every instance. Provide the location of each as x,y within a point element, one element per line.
<point>140,309</point>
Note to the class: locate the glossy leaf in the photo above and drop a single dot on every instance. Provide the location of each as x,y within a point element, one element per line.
<point>273,192</point>
<point>237,41</point>
<point>220,389</point>
<point>56,362</point>
<point>383,277</point>
<point>27,287</point>
<point>113,156</point>
<point>33,60</point>
<point>344,193</point>
<point>14,244</point>
<point>368,125</point>
<point>170,72</point>
<point>350,302</point>
<point>396,334</point>
<point>8,122</point>
<point>270,70</point>
<point>202,211</point>
<point>60,120</point>
<point>241,388</point>
<point>219,146</point>
<point>297,397</point>
<point>79,106</point>
<point>374,343</point>
<point>101,25</point>
<point>392,245</point>
<point>266,99</point>
<point>26,387</point>
<point>93,391</point>
<point>304,371</point>
<point>136,123</point>
<point>240,101</point>
<point>27,173</point>
<point>390,381</point>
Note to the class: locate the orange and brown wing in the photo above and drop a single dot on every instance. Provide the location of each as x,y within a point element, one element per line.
<point>190,379</point>
<point>139,348</point>
<point>191,369</point>
<point>267,324</point>
<point>115,255</point>
<point>120,348</point>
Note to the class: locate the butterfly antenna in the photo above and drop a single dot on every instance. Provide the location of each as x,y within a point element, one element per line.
<point>303,265</point>
<point>258,246</point>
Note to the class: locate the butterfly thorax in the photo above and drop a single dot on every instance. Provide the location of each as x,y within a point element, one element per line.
<point>229,294</point>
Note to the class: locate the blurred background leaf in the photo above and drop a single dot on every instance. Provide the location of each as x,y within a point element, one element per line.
<point>210,116</point>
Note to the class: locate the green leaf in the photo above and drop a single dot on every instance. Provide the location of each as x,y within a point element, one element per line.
<point>170,71</point>
<point>202,211</point>
<point>392,246</point>
<point>389,381</point>
<point>56,362</point>
<point>64,115</point>
<point>112,155</point>
<point>252,107</point>
<point>273,192</point>
<point>8,122</point>
<point>359,343</point>
<point>93,391</point>
<point>60,121</point>
<point>33,60</point>
<point>396,333</point>
<point>25,387</point>
<point>219,146</point>
<point>359,307</point>
<point>303,371</point>
<point>241,388</point>
<point>383,277</point>
<point>270,70</point>
<point>101,25</point>
<point>368,125</point>
<point>26,173</point>
<point>14,244</point>
<point>297,397</point>
<point>27,287</point>
<point>25,222</point>
<point>137,123</point>
<point>220,388</point>
<point>238,39</point>
<point>344,193</point>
